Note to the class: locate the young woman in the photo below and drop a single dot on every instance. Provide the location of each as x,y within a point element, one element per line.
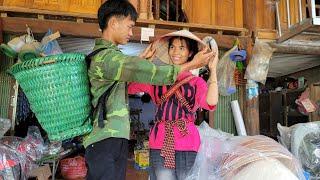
<point>174,140</point>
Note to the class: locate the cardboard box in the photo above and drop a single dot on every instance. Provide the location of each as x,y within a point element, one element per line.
<point>42,172</point>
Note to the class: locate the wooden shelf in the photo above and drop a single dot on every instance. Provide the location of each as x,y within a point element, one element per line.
<point>142,22</point>
<point>267,34</point>
<point>14,20</point>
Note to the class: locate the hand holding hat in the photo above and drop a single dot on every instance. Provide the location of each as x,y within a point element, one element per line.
<point>214,48</point>
<point>202,58</point>
<point>148,53</point>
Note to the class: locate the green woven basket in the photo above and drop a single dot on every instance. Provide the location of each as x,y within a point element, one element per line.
<point>57,88</point>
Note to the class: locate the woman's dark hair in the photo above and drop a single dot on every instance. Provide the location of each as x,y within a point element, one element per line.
<point>118,8</point>
<point>192,45</point>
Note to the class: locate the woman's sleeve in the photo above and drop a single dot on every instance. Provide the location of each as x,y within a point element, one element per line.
<point>135,88</point>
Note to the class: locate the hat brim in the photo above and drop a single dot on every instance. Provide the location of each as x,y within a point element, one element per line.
<point>162,44</point>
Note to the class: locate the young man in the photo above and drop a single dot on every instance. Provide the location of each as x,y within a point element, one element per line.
<point>107,145</point>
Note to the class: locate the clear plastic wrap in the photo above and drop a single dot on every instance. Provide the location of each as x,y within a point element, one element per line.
<point>246,157</point>
<point>211,142</point>
<point>305,145</point>
<point>284,137</point>
<point>252,157</point>
<point>258,66</point>
<point>225,72</point>
<point>5,125</point>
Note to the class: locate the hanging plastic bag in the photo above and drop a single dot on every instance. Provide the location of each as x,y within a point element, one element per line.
<point>258,66</point>
<point>225,72</point>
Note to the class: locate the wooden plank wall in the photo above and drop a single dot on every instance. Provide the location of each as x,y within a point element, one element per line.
<point>294,12</point>
<point>265,14</point>
<point>77,6</point>
<point>223,12</point>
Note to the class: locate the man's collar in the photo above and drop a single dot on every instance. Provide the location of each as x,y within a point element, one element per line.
<point>105,43</point>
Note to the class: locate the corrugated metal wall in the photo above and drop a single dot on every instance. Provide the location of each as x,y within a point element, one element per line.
<point>223,118</point>
<point>5,82</point>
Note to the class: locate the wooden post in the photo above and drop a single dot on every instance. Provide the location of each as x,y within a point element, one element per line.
<point>1,31</point>
<point>177,10</point>
<point>135,3</point>
<point>168,10</point>
<point>250,12</point>
<point>251,112</point>
<point>157,7</point>
<point>150,10</point>
<point>143,9</point>
<point>251,119</point>
<point>211,119</point>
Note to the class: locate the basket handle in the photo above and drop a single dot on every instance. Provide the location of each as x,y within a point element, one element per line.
<point>51,61</point>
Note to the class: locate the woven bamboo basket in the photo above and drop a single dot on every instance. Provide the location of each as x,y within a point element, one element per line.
<point>57,88</point>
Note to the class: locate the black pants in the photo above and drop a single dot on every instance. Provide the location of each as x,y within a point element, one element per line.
<point>107,159</point>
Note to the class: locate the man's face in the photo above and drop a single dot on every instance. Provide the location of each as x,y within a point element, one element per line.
<point>123,30</point>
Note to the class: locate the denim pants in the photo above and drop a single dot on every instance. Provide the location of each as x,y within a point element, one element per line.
<point>184,162</point>
<point>107,159</point>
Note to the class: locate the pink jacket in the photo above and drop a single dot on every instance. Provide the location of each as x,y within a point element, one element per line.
<point>195,92</point>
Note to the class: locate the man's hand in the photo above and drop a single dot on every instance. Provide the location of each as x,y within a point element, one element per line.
<point>200,59</point>
<point>148,52</point>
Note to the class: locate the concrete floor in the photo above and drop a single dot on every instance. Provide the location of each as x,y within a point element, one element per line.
<point>133,174</point>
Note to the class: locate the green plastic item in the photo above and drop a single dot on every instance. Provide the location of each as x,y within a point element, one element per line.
<point>57,88</point>
<point>27,55</point>
<point>8,51</point>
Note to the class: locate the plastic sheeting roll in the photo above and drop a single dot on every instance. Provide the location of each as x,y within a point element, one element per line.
<point>241,130</point>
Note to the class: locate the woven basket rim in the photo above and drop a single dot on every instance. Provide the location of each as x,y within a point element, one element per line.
<point>41,61</point>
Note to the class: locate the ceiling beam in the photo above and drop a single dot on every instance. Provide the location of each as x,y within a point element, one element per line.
<point>295,49</point>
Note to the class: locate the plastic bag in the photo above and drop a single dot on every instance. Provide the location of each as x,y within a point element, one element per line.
<point>305,145</point>
<point>285,135</point>
<point>50,45</point>
<point>28,149</point>
<point>11,164</point>
<point>225,72</point>
<point>5,125</point>
<point>211,141</point>
<point>73,168</point>
<point>258,66</point>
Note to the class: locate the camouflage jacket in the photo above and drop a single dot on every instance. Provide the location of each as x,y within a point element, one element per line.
<point>112,65</point>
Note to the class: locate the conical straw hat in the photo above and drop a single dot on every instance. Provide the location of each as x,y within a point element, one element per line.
<point>162,44</point>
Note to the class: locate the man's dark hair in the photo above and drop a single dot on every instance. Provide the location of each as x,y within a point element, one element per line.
<point>192,45</point>
<point>118,8</point>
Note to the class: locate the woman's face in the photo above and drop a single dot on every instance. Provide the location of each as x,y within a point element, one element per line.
<point>179,52</point>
